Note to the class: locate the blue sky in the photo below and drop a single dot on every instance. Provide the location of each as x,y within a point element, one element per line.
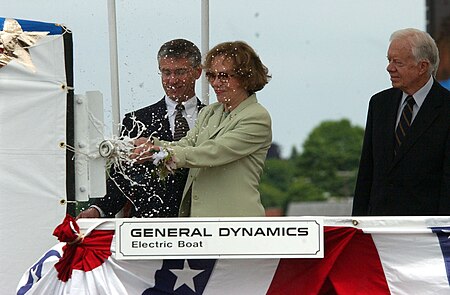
<point>326,57</point>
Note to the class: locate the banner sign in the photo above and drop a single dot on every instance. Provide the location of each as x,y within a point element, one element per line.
<point>171,238</point>
<point>35,86</point>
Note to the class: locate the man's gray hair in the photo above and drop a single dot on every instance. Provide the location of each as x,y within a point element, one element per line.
<point>423,46</point>
<point>181,48</point>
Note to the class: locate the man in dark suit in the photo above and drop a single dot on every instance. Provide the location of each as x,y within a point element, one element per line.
<point>405,165</point>
<point>179,63</point>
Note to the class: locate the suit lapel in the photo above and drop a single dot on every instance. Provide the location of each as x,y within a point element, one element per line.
<point>200,105</point>
<point>222,121</point>
<point>215,124</point>
<point>427,114</point>
<point>160,113</point>
<point>391,122</point>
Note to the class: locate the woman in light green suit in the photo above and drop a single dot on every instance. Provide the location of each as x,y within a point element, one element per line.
<point>226,149</point>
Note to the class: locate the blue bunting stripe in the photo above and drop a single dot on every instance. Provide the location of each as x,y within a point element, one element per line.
<point>35,26</point>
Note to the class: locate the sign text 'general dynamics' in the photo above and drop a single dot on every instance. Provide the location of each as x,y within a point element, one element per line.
<point>219,238</point>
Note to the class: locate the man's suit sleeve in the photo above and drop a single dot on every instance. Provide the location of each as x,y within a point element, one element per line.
<point>365,172</point>
<point>112,202</point>
<point>444,202</point>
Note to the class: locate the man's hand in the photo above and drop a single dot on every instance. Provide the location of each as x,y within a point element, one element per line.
<point>89,213</point>
<point>144,150</point>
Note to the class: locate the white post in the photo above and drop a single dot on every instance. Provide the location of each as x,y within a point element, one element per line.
<point>114,66</point>
<point>205,47</point>
<point>90,178</point>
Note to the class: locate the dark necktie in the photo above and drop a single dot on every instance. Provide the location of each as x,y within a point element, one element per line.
<point>181,125</point>
<point>404,123</point>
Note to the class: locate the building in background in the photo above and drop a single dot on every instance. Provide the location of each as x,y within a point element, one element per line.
<point>438,25</point>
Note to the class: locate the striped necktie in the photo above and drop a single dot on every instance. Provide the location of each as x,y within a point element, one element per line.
<point>181,125</point>
<point>404,123</point>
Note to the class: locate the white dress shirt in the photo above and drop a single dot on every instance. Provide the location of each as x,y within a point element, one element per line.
<point>419,98</point>
<point>190,111</point>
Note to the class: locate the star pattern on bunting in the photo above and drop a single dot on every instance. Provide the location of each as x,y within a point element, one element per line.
<point>15,44</point>
<point>182,277</point>
<point>185,276</point>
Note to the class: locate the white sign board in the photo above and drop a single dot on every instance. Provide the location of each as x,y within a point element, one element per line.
<point>172,238</point>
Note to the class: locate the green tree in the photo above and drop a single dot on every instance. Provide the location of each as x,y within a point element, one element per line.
<point>278,172</point>
<point>327,166</point>
<point>303,190</point>
<point>294,153</point>
<point>271,196</point>
<point>275,181</point>
<point>330,156</point>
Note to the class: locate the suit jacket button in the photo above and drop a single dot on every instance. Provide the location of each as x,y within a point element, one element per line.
<point>195,197</point>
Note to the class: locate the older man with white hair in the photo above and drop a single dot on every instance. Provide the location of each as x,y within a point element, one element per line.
<point>405,161</point>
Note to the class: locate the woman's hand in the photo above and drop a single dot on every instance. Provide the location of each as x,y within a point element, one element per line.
<point>144,150</point>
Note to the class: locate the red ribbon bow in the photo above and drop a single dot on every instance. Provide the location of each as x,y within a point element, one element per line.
<point>82,253</point>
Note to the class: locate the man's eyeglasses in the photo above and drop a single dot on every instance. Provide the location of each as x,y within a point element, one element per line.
<point>222,76</point>
<point>177,73</point>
